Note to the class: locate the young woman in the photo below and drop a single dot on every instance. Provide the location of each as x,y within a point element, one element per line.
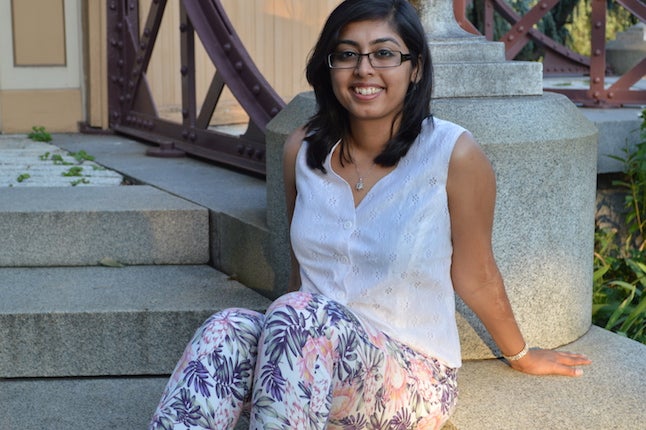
<point>391,213</point>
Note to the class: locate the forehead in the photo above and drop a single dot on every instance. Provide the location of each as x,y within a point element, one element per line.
<point>370,32</point>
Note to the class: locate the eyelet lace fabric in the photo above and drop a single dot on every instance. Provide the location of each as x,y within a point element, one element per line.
<point>388,259</point>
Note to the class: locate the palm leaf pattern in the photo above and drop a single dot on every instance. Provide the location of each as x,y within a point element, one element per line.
<point>316,365</point>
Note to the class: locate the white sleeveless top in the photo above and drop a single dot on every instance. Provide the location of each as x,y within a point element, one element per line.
<point>389,259</point>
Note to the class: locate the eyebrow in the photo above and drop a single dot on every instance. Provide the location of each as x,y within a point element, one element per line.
<point>374,42</point>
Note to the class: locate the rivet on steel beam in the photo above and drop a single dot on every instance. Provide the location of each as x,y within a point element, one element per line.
<point>596,94</point>
<point>115,114</point>
<point>121,99</point>
<point>113,42</point>
<point>597,24</point>
<point>543,6</point>
<point>185,134</point>
<point>227,47</point>
<point>192,137</point>
<point>183,70</point>
<point>140,59</point>
<point>120,62</point>
<point>238,66</point>
<point>521,28</point>
<point>256,89</point>
<point>183,27</point>
<point>611,95</point>
<point>119,25</point>
<point>114,79</point>
<point>597,52</point>
<point>113,6</point>
<point>250,152</point>
<point>511,37</point>
<point>274,111</point>
<point>185,113</point>
<point>147,32</point>
<point>240,149</point>
<point>142,45</point>
<point>596,80</point>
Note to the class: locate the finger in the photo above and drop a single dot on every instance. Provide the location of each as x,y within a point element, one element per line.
<point>571,359</point>
<point>567,370</point>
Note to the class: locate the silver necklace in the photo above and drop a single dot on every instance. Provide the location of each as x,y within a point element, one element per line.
<point>359,186</point>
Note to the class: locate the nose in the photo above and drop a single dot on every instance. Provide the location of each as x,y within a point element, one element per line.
<point>364,65</point>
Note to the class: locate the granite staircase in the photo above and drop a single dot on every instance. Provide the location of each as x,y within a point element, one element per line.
<point>100,289</point>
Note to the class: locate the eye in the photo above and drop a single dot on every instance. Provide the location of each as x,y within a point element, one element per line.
<point>346,55</point>
<point>384,53</point>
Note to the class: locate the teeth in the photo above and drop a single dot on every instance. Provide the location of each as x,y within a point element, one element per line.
<point>366,91</point>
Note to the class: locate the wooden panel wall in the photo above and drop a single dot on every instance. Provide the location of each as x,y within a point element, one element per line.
<point>38,38</point>
<point>278,34</point>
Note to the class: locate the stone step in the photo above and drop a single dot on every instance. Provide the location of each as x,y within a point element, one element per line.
<point>99,321</point>
<point>610,395</point>
<point>25,163</point>
<point>79,226</point>
<point>81,403</point>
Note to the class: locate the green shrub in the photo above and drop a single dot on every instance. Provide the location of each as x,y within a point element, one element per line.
<point>39,134</point>
<point>619,298</point>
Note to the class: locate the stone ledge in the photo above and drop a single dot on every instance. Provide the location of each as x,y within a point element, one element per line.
<point>98,321</point>
<point>130,224</point>
<point>610,394</point>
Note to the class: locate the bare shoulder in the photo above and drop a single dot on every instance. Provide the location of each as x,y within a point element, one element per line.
<point>293,143</point>
<point>467,150</point>
<point>468,160</point>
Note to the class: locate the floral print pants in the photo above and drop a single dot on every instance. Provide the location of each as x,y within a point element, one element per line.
<point>308,363</point>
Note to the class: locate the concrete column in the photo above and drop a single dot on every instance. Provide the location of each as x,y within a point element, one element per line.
<point>544,154</point>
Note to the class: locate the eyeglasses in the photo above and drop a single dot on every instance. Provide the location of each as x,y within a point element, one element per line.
<point>380,59</point>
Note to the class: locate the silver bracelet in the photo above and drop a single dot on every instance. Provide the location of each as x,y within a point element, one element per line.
<point>518,356</point>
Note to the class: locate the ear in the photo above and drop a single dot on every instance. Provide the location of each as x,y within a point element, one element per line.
<point>416,74</point>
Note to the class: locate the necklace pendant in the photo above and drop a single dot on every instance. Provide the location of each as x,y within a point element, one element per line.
<point>359,185</point>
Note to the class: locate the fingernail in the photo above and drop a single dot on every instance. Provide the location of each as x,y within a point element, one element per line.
<point>578,372</point>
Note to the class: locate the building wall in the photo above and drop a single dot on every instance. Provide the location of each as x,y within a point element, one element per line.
<point>53,58</point>
<point>278,34</point>
<point>41,79</point>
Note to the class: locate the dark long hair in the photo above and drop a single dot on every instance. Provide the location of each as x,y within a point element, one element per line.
<point>331,122</point>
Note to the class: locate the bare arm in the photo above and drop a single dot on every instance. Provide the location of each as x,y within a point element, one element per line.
<point>471,188</point>
<point>290,150</point>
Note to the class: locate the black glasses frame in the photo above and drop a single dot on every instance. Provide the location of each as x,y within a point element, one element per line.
<point>402,57</point>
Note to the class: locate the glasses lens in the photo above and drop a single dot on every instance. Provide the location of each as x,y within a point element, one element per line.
<point>343,60</point>
<point>378,59</point>
<point>385,58</point>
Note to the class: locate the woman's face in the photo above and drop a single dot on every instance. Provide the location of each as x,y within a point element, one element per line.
<point>366,92</point>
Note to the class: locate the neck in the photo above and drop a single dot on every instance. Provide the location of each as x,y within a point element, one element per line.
<point>369,138</point>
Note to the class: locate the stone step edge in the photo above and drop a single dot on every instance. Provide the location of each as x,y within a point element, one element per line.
<point>72,226</point>
<point>609,395</point>
<point>100,321</point>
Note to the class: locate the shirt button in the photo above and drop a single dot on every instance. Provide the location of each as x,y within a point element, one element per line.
<point>347,225</point>
<point>345,259</point>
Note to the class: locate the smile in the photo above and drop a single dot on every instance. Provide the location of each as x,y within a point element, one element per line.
<point>367,91</point>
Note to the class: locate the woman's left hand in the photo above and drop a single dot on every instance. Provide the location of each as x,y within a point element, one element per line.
<point>548,362</point>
